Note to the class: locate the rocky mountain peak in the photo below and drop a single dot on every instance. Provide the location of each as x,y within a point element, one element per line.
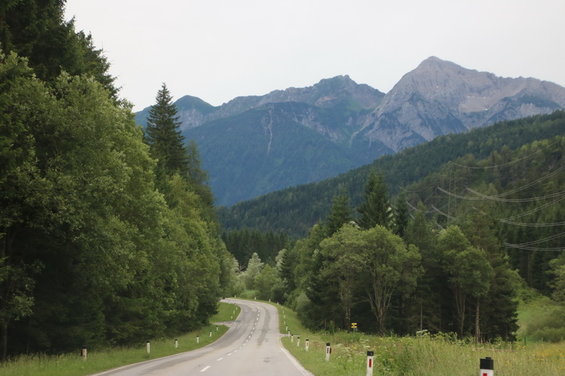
<point>326,92</point>
<point>440,97</point>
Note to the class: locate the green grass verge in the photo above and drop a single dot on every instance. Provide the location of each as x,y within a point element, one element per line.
<point>416,356</point>
<point>226,312</point>
<point>98,361</point>
<point>541,320</point>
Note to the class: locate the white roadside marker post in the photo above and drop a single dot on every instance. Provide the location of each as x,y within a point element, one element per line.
<point>291,337</point>
<point>197,339</point>
<point>210,334</point>
<point>328,351</point>
<point>370,364</point>
<point>307,344</point>
<point>148,347</point>
<point>297,341</point>
<point>487,367</point>
<point>83,352</point>
<point>176,343</point>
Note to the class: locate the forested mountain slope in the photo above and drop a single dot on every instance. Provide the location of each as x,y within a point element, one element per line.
<point>520,191</point>
<point>296,209</point>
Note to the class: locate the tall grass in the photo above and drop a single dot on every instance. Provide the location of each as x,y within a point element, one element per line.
<point>98,361</point>
<point>417,356</point>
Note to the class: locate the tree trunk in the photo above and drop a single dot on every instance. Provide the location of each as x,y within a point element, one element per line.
<point>4,340</point>
<point>460,302</point>
<point>478,322</point>
<point>421,316</point>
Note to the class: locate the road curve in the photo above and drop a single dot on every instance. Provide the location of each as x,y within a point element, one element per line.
<point>251,347</point>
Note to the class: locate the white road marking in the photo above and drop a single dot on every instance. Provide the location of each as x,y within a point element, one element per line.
<point>204,369</point>
<point>293,360</point>
<point>217,360</point>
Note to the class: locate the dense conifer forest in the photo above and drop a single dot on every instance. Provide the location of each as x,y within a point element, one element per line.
<point>295,210</point>
<point>107,237</point>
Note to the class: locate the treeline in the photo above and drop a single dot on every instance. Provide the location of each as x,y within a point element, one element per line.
<point>243,243</point>
<point>521,191</point>
<point>295,210</point>
<point>356,267</point>
<point>105,239</point>
<point>431,260</point>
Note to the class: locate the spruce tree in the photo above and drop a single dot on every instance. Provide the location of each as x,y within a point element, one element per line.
<point>164,137</point>
<point>375,208</point>
<point>401,215</point>
<point>340,214</point>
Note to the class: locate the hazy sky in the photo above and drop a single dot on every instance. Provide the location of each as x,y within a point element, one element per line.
<point>220,49</point>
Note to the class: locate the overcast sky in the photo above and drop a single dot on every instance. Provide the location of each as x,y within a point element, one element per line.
<point>220,49</point>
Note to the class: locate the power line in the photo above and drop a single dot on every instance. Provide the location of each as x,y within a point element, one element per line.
<point>534,242</point>
<point>535,249</point>
<point>459,196</point>
<point>443,213</point>
<point>514,200</point>
<point>500,164</point>
<point>530,184</point>
<point>532,224</point>
<point>536,209</point>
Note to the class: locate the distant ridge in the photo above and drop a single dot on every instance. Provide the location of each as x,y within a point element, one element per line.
<point>253,145</point>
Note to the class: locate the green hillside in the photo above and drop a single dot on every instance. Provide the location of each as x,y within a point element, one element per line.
<point>296,209</point>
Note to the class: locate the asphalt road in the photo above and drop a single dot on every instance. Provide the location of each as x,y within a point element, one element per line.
<point>251,347</point>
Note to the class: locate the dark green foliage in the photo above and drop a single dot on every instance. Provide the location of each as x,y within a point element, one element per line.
<point>163,135</point>
<point>36,29</point>
<point>166,145</point>
<point>340,214</point>
<point>519,190</point>
<point>296,209</point>
<point>90,252</point>
<point>243,243</point>
<point>400,215</point>
<point>375,208</point>
<point>501,210</point>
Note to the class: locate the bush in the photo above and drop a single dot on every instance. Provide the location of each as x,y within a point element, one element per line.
<point>547,325</point>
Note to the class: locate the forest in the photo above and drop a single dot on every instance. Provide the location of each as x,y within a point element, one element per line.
<point>452,253</point>
<point>108,234</point>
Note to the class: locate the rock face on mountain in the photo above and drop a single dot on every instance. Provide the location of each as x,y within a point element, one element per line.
<point>440,97</point>
<point>328,93</point>
<point>257,144</point>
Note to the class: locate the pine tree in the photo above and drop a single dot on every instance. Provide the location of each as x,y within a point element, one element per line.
<point>401,216</point>
<point>339,215</point>
<point>375,209</point>
<point>164,137</point>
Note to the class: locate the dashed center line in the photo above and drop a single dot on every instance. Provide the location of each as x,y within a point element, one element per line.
<point>204,369</point>
<point>217,360</point>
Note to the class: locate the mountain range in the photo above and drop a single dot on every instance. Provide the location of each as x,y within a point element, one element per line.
<point>254,145</point>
